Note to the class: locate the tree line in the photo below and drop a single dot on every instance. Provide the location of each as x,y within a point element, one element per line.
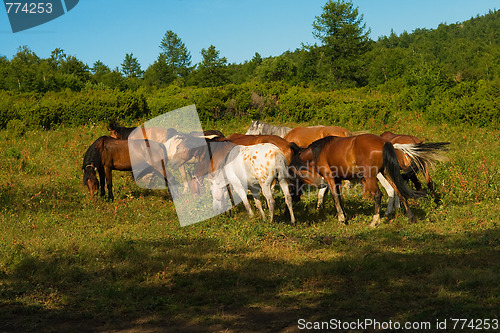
<point>344,57</point>
<point>450,73</point>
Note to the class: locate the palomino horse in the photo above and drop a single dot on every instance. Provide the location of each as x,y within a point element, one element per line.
<point>304,136</point>
<point>359,157</point>
<point>287,148</point>
<point>410,167</point>
<point>258,127</point>
<point>107,154</point>
<point>248,168</point>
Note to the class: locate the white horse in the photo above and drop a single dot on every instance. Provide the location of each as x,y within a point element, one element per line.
<point>258,127</point>
<point>248,168</point>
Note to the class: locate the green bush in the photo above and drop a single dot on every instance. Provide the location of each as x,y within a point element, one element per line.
<point>474,103</point>
<point>16,127</point>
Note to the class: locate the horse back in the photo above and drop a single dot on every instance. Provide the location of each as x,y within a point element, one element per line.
<point>399,138</point>
<point>115,154</point>
<point>304,136</point>
<point>282,144</point>
<point>353,156</point>
<point>263,161</point>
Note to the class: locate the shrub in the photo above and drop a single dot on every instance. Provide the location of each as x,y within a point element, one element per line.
<point>474,103</point>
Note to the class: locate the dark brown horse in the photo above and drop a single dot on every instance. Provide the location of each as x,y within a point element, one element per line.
<point>107,154</point>
<point>119,132</point>
<point>304,136</point>
<point>289,149</point>
<point>359,157</point>
<point>157,134</point>
<point>89,168</point>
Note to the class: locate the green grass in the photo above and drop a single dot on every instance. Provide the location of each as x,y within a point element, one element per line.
<point>68,263</point>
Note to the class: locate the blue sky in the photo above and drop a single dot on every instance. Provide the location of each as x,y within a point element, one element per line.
<point>108,29</point>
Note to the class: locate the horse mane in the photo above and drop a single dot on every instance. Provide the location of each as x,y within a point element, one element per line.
<point>318,145</point>
<point>124,132</point>
<point>113,125</point>
<point>295,149</point>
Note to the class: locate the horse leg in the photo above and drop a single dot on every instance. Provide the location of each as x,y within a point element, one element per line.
<point>371,188</point>
<point>242,193</point>
<point>409,213</point>
<point>288,199</point>
<point>416,182</point>
<point>102,181</point>
<point>182,171</point>
<point>321,196</point>
<point>255,191</point>
<point>268,194</point>
<point>390,192</point>
<point>335,188</point>
<point>109,179</point>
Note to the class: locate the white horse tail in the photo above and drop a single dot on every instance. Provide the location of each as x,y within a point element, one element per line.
<point>424,155</point>
<point>282,167</point>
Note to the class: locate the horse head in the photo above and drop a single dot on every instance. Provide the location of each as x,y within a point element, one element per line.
<point>90,178</point>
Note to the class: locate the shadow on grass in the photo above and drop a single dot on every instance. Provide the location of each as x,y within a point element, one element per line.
<point>186,284</point>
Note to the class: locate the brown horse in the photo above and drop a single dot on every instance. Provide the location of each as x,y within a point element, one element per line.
<point>304,136</point>
<point>289,149</point>
<point>157,134</point>
<point>359,157</point>
<point>107,154</point>
<point>410,167</point>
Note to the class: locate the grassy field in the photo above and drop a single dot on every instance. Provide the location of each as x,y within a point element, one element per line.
<point>68,263</point>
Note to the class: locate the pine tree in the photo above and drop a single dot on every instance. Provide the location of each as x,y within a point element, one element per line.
<point>131,67</point>
<point>344,40</point>
<point>177,56</point>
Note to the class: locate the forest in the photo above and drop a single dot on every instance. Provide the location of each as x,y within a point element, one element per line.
<point>448,74</point>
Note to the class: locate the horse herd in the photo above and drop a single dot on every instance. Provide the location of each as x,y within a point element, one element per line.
<point>319,156</point>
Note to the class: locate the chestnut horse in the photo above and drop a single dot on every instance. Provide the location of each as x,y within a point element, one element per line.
<point>411,167</point>
<point>289,149</point>
<point>359,157</point>
<point>304,136</point>
<point>422,158</point>
<point>107,154</point>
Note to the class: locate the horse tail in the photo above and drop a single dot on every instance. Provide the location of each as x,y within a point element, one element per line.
<point>424,155</point>
<point>282,167</point>
<point>391,165</point>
